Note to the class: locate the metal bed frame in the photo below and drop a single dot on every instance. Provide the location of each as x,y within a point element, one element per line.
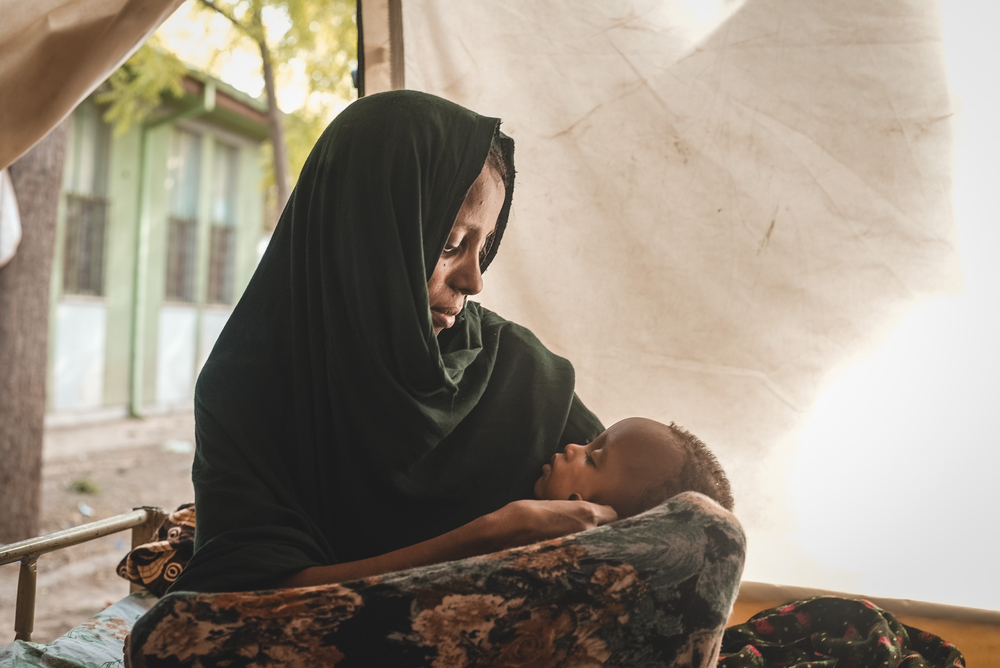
<point>142,521</point>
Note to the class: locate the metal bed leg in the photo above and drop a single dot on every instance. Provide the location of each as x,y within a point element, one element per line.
<point>24,611</point>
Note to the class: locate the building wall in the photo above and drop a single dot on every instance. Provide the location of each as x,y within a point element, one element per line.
<point>194,326</point>
<point>78,336</point>
<point>95,333</point>
<point>120,264</point>
<point>159,144</point>
<point>250,201</point>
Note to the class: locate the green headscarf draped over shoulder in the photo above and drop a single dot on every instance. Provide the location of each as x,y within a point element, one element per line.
<point>332,425</point>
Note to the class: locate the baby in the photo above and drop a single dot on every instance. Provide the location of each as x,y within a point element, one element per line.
<point>633,466</point>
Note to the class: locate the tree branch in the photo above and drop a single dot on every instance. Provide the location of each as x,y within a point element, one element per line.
<point>232,19</point>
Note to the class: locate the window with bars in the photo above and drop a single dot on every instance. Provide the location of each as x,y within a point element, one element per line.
<point>85,187</point>
<point>183,180</point>
<point>181,247</point>
<point>83,255</point>
<point>222,249</point>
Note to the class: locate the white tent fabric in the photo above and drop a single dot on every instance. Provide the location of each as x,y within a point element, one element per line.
<point>53,53</point>
<point>714,227</point>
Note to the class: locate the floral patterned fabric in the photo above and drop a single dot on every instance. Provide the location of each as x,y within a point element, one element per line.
<point>155,565</point>
<point>829,631</point>
<point>652,590</point>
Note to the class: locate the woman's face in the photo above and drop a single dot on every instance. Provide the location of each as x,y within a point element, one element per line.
<point>457,274</point>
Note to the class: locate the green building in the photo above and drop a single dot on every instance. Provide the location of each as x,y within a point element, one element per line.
<point>157,237</point>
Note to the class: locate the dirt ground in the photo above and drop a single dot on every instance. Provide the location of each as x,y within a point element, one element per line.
<point>91,472</point>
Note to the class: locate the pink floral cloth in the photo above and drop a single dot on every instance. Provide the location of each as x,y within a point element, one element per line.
<point>828,631</point>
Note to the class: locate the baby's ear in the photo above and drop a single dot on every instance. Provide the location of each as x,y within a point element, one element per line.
<point>575,497</point>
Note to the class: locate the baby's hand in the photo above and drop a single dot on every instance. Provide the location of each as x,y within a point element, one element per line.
<point>530,521</point>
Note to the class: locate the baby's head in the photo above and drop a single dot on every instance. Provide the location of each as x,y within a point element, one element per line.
<point>634,465</point>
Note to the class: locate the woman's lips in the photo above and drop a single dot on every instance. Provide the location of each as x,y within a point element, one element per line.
<point>444,317</point>
<point>442,320</point>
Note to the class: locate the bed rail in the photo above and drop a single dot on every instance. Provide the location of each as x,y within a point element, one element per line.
<point>143,522</point>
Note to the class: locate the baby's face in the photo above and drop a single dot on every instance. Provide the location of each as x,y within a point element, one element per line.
<point>620,463</point>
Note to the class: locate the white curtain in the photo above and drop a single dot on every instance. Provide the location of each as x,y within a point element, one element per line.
<point>720,213</point>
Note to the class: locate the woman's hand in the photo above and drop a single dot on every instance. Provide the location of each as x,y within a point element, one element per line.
<point>530,521</point>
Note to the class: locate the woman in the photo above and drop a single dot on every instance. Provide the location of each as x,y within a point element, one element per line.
<point>357,413</point>
<point>335,413</point>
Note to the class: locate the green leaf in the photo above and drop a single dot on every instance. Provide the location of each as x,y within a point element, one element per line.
<point>139,86</point>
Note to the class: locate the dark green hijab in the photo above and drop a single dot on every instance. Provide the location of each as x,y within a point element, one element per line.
<point>332,425</point>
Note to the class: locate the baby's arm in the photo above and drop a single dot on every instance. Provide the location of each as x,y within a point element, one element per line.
<point>517,523</point>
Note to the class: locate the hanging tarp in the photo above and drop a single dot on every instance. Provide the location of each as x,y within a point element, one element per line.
<point>718,210</point>
<point>53,53</point>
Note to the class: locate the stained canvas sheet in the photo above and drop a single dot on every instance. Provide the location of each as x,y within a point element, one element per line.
<point>720,213</point>
<point>53,53</point>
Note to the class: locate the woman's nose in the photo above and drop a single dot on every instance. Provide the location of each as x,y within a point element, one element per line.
<point>573,450</point>
<point>468,277</point>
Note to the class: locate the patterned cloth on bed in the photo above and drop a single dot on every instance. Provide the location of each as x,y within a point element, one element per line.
<point>652,590</point>
<point>97,643</point>
<point>829,631</point>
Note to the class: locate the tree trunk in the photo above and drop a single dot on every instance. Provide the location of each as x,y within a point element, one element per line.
<point>282,178</point>
<point>255,30</point>
<point>24,334</point>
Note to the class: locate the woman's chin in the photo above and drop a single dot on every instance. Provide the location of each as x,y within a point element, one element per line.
<point>441,321</point>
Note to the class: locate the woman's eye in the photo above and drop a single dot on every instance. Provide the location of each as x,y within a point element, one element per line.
<point>589,460</point>
<point>448,248</point>
<point>483,254</point>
